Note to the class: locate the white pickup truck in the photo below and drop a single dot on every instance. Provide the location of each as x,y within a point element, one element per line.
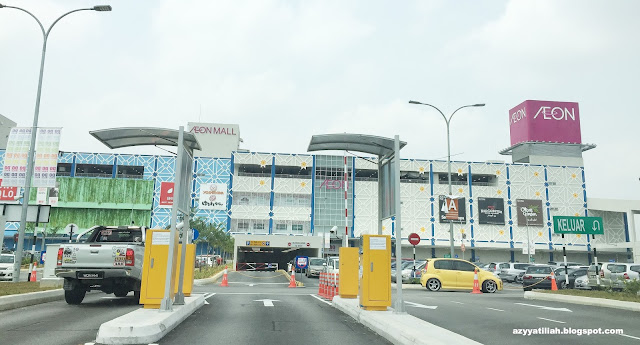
<point>110,260</point>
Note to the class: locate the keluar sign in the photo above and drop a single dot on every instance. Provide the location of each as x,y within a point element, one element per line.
<point>578,225</point>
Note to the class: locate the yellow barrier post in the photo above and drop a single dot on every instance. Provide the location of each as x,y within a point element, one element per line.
<point>375,272</point>
<point>349,265</point>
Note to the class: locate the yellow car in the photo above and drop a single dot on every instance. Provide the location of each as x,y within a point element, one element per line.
<point>456,274</point>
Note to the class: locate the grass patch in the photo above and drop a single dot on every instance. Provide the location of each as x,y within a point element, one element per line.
<point>207,272</point>
<point>8,288</point>
<point>620,296</point>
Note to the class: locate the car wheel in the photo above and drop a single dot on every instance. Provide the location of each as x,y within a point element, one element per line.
<point>433,284</point>
<point>489,286</point>
<point>74,296</point>
<point>121,293</point>
<point>563,285</point>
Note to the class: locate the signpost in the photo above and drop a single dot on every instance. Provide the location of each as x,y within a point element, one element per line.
<point>578,225</point>
<point>414,239</point>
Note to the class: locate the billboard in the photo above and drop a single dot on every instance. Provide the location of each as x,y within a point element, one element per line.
<point>545,121</point>
<point>45,160</point>
<point>529,212</point>
<point>216,139</point>
<point>491,211</point>
<point>452,210</point>
<point>213,196</point>
<point>8,193</point>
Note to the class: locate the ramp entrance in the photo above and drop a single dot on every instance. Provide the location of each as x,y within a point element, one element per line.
<point>269,259</point>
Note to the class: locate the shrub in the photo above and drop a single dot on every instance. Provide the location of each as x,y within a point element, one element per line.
<point>632,286</point>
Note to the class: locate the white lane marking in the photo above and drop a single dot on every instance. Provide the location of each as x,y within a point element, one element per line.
<point>208,295</point>
<point>89,343</point>
<point>495,309</point>
<point>411,304</point>
<point>320,299</point>
<point>542,318</point>
<point>206,302</point>
<point>267,302</point>
<point>546,308</point>
<point>629,336</point>
<point>456,302</point>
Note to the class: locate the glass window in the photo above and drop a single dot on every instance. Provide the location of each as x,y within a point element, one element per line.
<point>281,227</point>
<point>521,266</point>
<point>617,268</point>
<point>443,265</point>
<point>538,270</point>
<point>243,225</point>
<point>6,259</point>
<point>129,171</point>
<point>504,266</point>
<point>296,227</point>
<point>258,226</point>
<point>464,266</point>
<point>635,268</point>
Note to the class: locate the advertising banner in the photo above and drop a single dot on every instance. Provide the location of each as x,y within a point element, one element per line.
<point>545,121</point>
<point>529,212</point>
<point>8,193</point>
<point>491,211</point>
<point>452,210</point>
<point>45,164</point>
<point>166,194</point>
<point>41,196</point>
<point>15,157</point>
<point>213,196</point>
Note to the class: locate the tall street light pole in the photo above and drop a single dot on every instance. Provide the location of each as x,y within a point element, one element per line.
<point>27,184</point>
<point>448,121</point>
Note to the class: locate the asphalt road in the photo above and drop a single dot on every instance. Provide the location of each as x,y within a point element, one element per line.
<point>59,323</point>
<point>259,308</point>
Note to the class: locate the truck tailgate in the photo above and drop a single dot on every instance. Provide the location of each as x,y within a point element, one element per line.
<point>84,255</point>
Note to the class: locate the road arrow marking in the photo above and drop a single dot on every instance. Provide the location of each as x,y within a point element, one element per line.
<point>205,302</point>
<point>411,304</point>
<point>542,318</point>
<point>546,308</point>
<point>267,302</point>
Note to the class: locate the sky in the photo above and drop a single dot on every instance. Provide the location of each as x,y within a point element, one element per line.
<point>286,70</point>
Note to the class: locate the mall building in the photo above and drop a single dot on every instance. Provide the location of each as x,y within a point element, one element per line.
<point>278,206</point>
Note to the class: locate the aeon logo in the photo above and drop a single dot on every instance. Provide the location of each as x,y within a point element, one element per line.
<point>556,113</point>
<point>518,115</point>
<point>334,184</point>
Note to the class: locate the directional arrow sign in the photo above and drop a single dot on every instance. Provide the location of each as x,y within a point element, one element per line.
<point>411,304</point>
<point>267,302</point>
<point>546,308</point>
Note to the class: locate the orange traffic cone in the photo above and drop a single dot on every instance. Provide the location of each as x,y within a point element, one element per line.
<point>476,284</point>
<point>33,273</point>
<point>554,286</point>
<point>225,280</point>
<point>292,282</point>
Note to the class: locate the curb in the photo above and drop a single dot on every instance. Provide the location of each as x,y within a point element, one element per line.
<point>31,298</point>
<point>206,281</point>
<point>145,326</point>
<point>408,286</point>
<point>593,301</point>
<point>400,328</point>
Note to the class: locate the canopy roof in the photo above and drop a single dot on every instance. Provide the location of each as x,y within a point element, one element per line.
<point>372,144</point>
<point>116,138</point>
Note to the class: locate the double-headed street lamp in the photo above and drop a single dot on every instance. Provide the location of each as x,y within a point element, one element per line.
<point>27,184</point>
<point>448,121</point>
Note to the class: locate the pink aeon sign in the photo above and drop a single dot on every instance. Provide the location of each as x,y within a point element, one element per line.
<point>545,121</point>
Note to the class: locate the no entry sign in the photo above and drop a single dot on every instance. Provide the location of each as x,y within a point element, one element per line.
<point>414,239</point>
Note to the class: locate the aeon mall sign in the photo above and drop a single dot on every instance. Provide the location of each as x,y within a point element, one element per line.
<point>545,121</point>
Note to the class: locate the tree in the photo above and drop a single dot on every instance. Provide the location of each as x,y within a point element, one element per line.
<point>214,235</point>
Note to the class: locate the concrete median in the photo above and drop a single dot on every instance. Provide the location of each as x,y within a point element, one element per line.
<point>400,328</point>
<point>27,299</point>
<point>597,302</point>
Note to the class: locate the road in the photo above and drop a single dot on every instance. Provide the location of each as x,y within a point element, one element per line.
<point>59,323</point>
<point>259,308</point>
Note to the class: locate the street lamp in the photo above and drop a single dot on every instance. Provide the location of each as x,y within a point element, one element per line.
<point>27,184</point>
<point>448,121</point>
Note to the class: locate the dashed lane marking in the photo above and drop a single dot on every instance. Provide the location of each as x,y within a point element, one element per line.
<point>629,336</point>
<point>495,309</point>
<point>209,295</point>
<point>456,302</point>
<point>542,318</point>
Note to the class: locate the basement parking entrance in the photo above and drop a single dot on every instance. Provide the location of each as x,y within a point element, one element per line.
<point>269,259</point>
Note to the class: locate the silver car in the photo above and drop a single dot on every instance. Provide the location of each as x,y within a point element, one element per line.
<point>622,272</point>
<point>582,283</point>
<point>509,271</point>
<point>316,266</point>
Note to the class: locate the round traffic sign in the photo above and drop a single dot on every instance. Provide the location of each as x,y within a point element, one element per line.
<point>414,239</point>
<point>15,237</point>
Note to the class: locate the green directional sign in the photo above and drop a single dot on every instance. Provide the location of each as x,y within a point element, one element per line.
<point>578,225</point>
<point>447,255</point>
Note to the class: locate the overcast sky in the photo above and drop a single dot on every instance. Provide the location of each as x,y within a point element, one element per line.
<point>286,70</point>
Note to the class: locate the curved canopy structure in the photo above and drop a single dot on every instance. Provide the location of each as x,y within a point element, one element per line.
<point>379,146</point>
<point>116,138</point>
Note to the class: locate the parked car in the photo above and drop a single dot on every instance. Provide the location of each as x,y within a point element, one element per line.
<point>603,271</point>
<point>569,263</point>
<point>407,271</point>
<point>512,270</point>
<point>332,265</point>
<point>537,277</point>
<point>623,272</point>
<point>572,274</point>
<point>582,283</point>
<point>316,266</point>
<point>456,274</point>
<point>495,267</point>
<point>6,266</point>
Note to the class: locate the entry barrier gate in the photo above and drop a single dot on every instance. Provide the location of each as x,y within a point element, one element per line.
<point>257,266</point>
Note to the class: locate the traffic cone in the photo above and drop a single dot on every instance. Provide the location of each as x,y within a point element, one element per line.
<point>225,280</point>
<point>476,284</point>
<point>33,274</point>
<point>554,286</point>
<point>292,282</point>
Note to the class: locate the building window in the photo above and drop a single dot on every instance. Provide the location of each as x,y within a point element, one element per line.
<point>129,171</point>
<point>243,225</point>
<point>297,228</point>
<point>292,172</point>
<point>413,177</point>
<point>366,175</point>
<point>251,199</point>
<point>292,200</point>
<point>258,226</point>
<point>94,170</point>
<point>281,228</point>
<point>254,170</point>
<point>64,169</point>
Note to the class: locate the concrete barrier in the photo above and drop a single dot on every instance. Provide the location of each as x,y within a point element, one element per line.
<point>400,328</point>
<point>593,301</point>
<point>205,281</point>
<point>27,299</point>
<point>145,326</point>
